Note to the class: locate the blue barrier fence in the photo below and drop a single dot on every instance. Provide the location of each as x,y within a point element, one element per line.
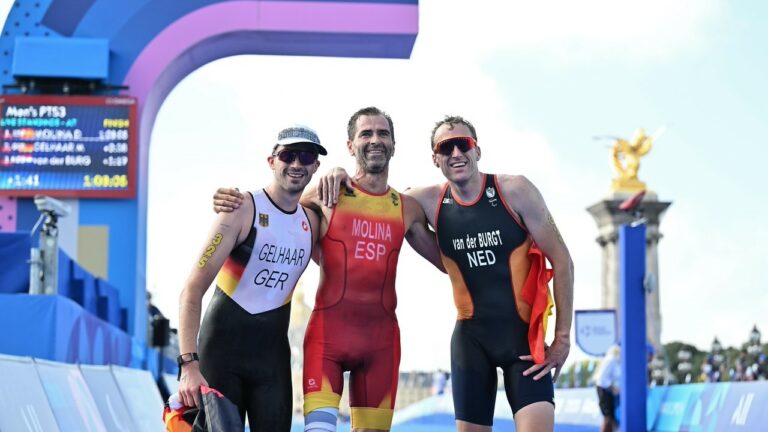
<point>711,407</point>
<point>84,323</point>
<point>52,396</point>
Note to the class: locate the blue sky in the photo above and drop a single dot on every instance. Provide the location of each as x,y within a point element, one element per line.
<point>539,81</point>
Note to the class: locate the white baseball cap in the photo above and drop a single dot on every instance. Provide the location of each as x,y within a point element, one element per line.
<point>297,134</point>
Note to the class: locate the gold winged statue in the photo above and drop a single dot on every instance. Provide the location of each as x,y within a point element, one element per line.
<point>626,160</point>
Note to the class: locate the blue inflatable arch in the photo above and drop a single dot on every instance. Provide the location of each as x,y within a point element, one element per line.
<point>154,44</point>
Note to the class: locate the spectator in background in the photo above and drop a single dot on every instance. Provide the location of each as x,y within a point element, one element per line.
<point>706,372</point>
<point>606,378</point>
<point>153,316</point>
<point>739,371</point>
<point>152,310</point>
<point>439,381</point>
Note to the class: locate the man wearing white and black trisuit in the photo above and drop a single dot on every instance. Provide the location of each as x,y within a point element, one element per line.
<point>257,254</point>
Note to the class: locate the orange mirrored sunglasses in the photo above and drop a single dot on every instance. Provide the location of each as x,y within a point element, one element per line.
<point>445,147</point>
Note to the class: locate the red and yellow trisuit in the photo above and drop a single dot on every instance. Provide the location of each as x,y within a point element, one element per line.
<point>353,326</point>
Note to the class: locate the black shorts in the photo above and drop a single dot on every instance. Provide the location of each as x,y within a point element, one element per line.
<point>477,349</point>
<point>248,359</point>
<point>607,402</point>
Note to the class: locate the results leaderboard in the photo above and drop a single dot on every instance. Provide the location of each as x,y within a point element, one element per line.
<point>68,146</point>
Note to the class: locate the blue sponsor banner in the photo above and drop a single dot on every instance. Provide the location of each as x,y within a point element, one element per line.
<point>170,382</point>
<point>596,330</point>
<point>744,408</point>
<point>577,406</point>
<point>653,403</point>
<point>108,399</point>
<point>705,407</point>
<point>23,403</point>
<point>69,397</point>
<point>141,396</point>
<point>56,328</point>
<point>691,407</point>
<point>709,407</point>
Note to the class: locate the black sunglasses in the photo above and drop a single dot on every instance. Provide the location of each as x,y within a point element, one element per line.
<point>305,157</point>
<point>445,147</point>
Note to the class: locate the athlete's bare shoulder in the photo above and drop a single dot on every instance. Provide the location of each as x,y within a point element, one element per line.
<point>409,201</point>
<point>426,196</point>
<point>419,192</point>
<point>513,181</point>
<point>517,187</point>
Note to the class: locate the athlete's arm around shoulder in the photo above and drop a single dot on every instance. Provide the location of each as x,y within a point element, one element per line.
<point>229,230</point>
<point>527,201</point>
<point>421,238</point>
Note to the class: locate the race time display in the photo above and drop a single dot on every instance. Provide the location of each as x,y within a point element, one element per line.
<point>68,146</point>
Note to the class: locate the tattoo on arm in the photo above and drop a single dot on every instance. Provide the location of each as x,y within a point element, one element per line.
<point>210,250</point>
<point>554,227</point>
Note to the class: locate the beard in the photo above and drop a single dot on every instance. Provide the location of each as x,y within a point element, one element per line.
<point>376,166</point>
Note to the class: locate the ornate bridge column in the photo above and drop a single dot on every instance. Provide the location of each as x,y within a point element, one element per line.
<point>626,155</point>
<point>609,217</point>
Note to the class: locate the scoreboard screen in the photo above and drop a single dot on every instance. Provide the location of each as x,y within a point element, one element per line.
<point>68,146</point>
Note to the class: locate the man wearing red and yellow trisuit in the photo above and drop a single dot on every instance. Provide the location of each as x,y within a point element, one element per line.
<point>353,326</point>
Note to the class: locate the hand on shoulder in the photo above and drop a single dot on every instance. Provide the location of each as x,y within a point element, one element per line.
<point>227,199</point>
<point>330,184</point>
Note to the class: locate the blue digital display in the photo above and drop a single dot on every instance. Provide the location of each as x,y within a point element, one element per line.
<point>68,146</point>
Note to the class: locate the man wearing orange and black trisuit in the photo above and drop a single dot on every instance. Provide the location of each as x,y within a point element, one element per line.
<point>353,326</point>
<point>494,233</point>
<point>488,262</point>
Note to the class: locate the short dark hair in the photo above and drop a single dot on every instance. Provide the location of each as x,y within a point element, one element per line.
<point>451,121</point>
<point>368,111</point>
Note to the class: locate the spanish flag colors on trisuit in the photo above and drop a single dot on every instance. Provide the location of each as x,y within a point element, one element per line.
<point>353,326</point>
